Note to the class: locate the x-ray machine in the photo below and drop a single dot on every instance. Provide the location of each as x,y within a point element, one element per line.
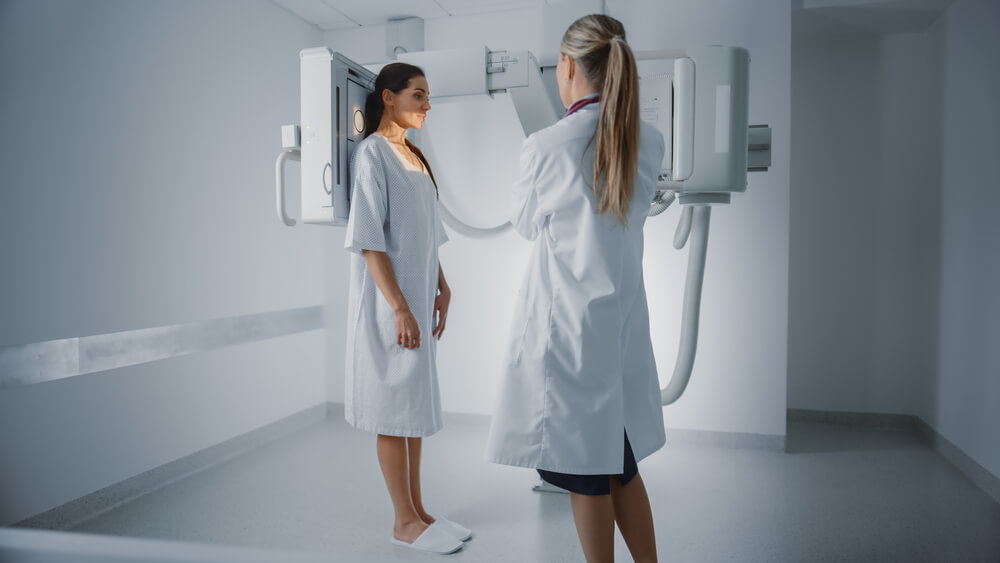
<point>701,109</point>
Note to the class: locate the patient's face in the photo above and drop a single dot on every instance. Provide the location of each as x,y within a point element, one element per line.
<point>410,105</point>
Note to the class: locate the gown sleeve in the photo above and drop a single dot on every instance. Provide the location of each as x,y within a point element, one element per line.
<point>527,212</point>
<point>369,204</point>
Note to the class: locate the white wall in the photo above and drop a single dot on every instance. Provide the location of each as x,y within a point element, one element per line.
<point>966,394</point>
<point>833,171</point>
<point>864,216</point>
<point>895,250</point>
<point>137,142</point>
<point>739,380</point>
<point>906,236</point>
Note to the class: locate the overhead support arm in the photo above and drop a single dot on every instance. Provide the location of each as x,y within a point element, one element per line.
<point>519,75</point>
<point>477,71</point>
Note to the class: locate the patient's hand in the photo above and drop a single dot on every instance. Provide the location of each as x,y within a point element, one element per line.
<point>407,329</point>
<point>441,303</point>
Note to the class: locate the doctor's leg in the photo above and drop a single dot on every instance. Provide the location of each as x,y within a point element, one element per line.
<point>635,518</point>
<point>393,459</point>
<point>413,447</point>
<point>594,516</point>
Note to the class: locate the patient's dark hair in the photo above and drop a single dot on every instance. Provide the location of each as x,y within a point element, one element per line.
<point>394,77</point>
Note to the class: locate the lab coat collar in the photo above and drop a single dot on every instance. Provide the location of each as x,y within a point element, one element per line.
<point>588,99</point>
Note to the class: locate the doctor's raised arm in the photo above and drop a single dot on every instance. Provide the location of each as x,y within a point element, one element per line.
<point>527,212</point>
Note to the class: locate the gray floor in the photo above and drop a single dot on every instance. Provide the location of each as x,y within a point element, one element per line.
<point>839,494</point>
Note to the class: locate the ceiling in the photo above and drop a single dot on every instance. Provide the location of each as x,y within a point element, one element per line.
<point>343,14</point>
<point>810,18</point>
<point>814,18</point>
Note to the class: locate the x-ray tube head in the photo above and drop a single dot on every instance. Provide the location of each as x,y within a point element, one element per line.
<point>711,119</point>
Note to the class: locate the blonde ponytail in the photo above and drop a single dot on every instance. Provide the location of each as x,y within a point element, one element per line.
<point>597,44</point>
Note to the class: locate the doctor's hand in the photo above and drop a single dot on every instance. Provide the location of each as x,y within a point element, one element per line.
<point>407,330</point>
<point>441,303</point>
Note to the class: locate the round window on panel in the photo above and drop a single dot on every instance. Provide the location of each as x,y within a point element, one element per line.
<point>359,122</point>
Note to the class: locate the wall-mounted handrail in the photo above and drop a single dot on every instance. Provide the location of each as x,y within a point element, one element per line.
<point>38,362</point>
<point>279,183</point>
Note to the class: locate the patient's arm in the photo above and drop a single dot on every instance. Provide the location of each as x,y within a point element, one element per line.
<point>407,330</point>
<point>441,303</point>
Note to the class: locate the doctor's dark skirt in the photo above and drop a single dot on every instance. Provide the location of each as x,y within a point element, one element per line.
<point>593,484</point>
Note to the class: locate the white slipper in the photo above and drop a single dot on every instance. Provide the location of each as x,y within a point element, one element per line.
<point>435,539</point>
<point>457,530</point>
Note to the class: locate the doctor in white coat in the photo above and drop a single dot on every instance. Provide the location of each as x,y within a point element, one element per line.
<point>580,399</point>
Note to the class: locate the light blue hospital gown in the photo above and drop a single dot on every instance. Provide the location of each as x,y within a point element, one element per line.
<point>389,389</point>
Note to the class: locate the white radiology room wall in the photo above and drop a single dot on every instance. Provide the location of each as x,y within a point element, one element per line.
<point>966,395</point>
<point>895,250</point>
<point>864,225</point>
<point>137,144</point>
<point>834,133</point>
<point>739,380</point>
<point>906,235</point>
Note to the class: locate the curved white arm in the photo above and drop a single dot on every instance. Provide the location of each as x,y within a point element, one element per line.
<point>659,205</point>
<point>469,230</point>
<point>699,216</point>
<point>661,202</point>
<point>683,228</point>
<point>279,183</point>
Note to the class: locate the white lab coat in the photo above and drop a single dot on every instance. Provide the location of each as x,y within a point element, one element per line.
<point>580,362</point>
<point>389,389</point>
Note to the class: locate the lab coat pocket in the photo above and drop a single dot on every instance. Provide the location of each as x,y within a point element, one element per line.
<point>547,230</point>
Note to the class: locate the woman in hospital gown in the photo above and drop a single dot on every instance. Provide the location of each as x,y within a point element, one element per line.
<point>580,400</point>
<point>398,302</point>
